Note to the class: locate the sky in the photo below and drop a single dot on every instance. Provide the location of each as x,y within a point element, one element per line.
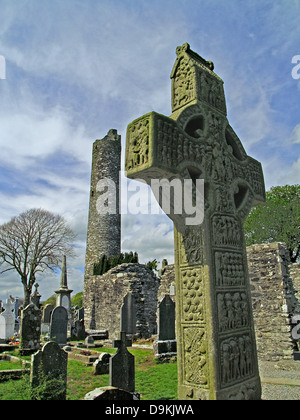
<point>76,69</point>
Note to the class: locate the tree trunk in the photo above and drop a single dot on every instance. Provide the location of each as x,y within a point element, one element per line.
<point>27,294</point>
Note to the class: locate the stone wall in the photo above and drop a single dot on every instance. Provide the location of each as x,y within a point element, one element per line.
<point>103,298</point>
<point>295,275</point>
<point>273,299</point>
<point>167,282</point>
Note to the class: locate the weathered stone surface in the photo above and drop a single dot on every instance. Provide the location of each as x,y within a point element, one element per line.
<point>216,357</point>
<point>295,275</point>
<point>48,365</point>
<point>167,282</point>
<point>166,319</point>
<point>104,297</point>
<point>121,366</point>
<point>47,311</point>
<point>59,325</point>
<point>30,331</point>
<point>273,298</point>
<point>128,314</point>
<point>63,294</point>
<point>111,393</point>
<point>101,365</point>
<point>7,321</point>
<point>104,230</point>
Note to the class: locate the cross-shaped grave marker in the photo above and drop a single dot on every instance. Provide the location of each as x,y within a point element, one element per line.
<point>121,365</point>
<point>216,348</point>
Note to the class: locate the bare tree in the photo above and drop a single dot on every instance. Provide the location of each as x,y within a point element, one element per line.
<point>33,242</point>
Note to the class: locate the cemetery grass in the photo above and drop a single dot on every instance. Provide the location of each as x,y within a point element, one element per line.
<point>154,381</point>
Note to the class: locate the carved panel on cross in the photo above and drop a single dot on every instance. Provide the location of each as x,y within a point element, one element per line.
<point>229,268</point>
<point>183,90</point>
<point>226,231</point>
<point>192,291</point>
<point>138,143</point>
<point>233,311</point>
<point>174,146</point>
<point>211,89</point>
<point>236,359</point>
<point>191,246</point>
<point>195,356</point>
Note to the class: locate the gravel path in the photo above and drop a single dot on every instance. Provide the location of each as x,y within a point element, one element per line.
<point>280,380</point>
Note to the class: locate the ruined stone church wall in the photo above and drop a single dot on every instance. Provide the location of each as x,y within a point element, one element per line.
<point>295,275</point>
<point>103,298</point>
<point>273,299</point>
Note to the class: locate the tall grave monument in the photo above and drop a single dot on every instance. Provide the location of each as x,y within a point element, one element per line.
<point>216,346</point>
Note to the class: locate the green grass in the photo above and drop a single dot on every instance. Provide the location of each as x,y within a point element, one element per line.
<point>7,365</point>
<point>154,381</point>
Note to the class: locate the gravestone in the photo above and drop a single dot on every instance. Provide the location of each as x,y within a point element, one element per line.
<point>36,296</point>
<point>30,330</point>
<point>78,330</point>
<point>101,365</point>
<point>49,372</point>
<point>217,358</point>
<point>121,365</point>
<point>59,325</point>
<point>7,321</point>
<point>166,341</point>
<point>47,311</point>
<point>128,315</point>
<point>89,342</point>
<point>111,393</point>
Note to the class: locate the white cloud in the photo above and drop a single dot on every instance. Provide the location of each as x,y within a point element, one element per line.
<point>296,134</point>
<point>151,236</point>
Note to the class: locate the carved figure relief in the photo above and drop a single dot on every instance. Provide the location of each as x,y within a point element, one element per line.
<point>192,295</point>
<point>226,231</point>
<point>195,352</point>
<point>233,311</point>
<point>138,143</point>
<point>211,91</point>
<point>229,269</point>
<point>191,248</point>
<point>183,88</point>
<point>236,359</point>
<point>174,147</point>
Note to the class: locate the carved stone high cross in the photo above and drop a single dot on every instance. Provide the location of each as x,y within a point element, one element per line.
<point>217,356</point>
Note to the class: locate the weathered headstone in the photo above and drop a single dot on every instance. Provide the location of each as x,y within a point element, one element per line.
<point>101,365</point>
<point>47,311</point>
<point>217,359</point>
<point>89,342</point>
<point>36,296</point>
<point>7,321</point>
<point>48,376</point>
<point>59,325</point>
<point>121,365</point>
<point>30,331</point>
<point>166,340</point>
<point>78,330</point>
<point>111,393</point>
<point>128,314</point>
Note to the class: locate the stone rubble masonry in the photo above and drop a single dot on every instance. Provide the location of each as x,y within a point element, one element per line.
<point>295,275</point>
<point>104,297</point>
<point>275,287</point>
<point>273,299</point>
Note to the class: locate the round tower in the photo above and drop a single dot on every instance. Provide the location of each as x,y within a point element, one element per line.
<point>104,224</point>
